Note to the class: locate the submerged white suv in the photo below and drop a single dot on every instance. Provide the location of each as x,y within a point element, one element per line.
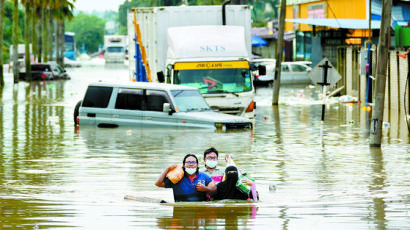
<point>141,104</point>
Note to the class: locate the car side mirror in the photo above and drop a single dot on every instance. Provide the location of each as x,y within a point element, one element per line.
<point>252,66</point>
<point>161,77</point>
<point>166,108</point>
<point>262,70</point>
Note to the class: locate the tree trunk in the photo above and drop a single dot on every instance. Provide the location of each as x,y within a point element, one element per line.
<point>39,36</point>
<point>60,42</point>
<point>2,3</point>
<point>62,55</point>
<point>27,41</point>
<point>44,34</point>
<point>50,35</point>
<point>15,40</point>
<point>33,30</point>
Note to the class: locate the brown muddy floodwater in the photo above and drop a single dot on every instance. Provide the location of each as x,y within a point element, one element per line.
<point>54,176</point>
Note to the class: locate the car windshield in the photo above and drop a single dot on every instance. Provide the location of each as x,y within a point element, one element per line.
<point>189,100</point>
<point>210,81</point>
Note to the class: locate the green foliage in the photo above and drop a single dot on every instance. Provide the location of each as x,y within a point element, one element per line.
<point>263,11</point>
<point>8,29</point>
<point>89,30</point>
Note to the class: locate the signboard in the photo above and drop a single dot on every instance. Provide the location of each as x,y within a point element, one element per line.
<point>212,65</point>
<point>317,10</point>
<point>317,73</point>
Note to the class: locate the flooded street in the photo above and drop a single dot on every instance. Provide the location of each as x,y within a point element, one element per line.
<point>54,175</point>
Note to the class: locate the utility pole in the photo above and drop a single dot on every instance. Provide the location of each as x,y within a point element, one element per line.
<point>377,116</point>
<point>279,52</point>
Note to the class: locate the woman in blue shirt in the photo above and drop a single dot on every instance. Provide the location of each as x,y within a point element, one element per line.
<point>193,186</point>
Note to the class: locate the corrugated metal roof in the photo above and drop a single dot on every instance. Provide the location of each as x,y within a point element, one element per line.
<point>338,23</point>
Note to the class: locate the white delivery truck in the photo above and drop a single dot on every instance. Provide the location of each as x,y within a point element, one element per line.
<point>21,53</point>
<point>188,45</point>
<point>115,46</point>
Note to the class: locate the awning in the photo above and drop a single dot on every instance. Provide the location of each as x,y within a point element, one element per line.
<point>338,23</point>
<point>258,41</point>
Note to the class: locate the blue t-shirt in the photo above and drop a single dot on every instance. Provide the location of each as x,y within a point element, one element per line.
<point>185,189</point>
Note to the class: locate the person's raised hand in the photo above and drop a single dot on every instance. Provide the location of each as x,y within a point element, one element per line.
<point>201,187</point>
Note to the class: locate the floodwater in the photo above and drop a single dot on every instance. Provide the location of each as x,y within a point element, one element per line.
<point>53,175</point>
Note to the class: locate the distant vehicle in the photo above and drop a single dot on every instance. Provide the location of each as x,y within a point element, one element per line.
<point>21,53</point>
<point>270,71</point>
<point>114,46</point>
<point>142,104</point>
<point>292,73</point>
<point>69,43</point>
<point>45,71</point>
<point>70,63</point>
<point>308,63</point>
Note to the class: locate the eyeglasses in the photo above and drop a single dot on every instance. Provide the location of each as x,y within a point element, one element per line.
<point>211,158</point>
<point>190,162</point>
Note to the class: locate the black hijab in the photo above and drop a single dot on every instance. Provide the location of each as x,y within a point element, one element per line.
<point>227,188</point>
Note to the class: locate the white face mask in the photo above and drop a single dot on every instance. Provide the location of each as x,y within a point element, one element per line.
<point>211,164</point>
<point>190,171</point>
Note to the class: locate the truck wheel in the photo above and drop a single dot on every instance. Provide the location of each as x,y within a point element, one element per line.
<point>76,112</point>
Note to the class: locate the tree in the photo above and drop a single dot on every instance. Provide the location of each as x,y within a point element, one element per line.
<point>63,11</point>
<point>89,30</point>
<point>27,53</point>
<point>15,40</point>
<point>2,9</point>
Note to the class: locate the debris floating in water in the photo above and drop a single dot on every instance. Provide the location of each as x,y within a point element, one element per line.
<point>272,187</point>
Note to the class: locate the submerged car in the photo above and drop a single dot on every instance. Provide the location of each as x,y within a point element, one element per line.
<point>292,73</point>
<point>143,104</point>
<point>46,71</point>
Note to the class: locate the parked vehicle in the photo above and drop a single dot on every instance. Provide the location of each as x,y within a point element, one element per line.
<point>20,57</point>
<point>190,46</point>
<point>46,71</point>
<point>292,73</point>
<point>142,104</point>
<point>308,63</point>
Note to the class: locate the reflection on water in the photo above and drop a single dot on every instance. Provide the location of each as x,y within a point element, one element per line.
<point>53,175</point>
<point>195,217</point>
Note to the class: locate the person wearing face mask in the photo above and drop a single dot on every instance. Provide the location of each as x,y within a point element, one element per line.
<point>227,189</point>
<point>211,163</point>
<point>193,186</point>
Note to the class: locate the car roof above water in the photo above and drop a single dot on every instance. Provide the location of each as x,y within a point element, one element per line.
<point>144,85</point>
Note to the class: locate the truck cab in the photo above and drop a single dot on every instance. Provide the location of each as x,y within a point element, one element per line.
<point>215,60</point>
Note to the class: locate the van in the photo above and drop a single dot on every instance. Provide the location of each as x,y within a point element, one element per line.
<point>142,104</point>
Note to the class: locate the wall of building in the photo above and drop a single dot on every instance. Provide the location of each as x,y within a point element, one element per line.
<point>343,9</point>
<point>395,102</point>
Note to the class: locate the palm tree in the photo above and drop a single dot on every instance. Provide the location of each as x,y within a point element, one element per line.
<point>2,3</point>
<point>45,29</point>
<point>34,13</point>
<point>15,41</point>
<point>64,10</point>
<point>27,52</point>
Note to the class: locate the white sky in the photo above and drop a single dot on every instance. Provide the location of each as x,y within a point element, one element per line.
<point>98,5</point>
